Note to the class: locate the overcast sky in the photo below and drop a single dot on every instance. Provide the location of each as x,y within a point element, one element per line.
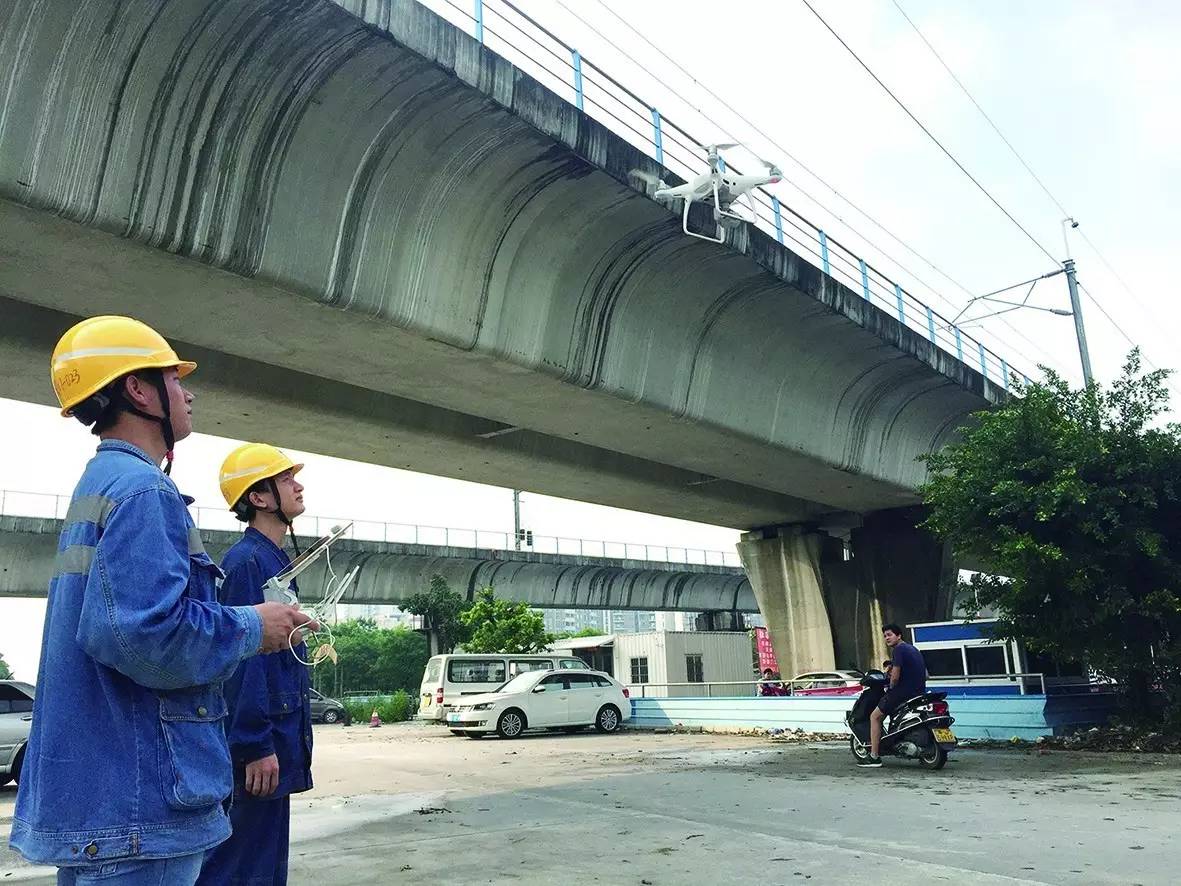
<point>1086,91</point>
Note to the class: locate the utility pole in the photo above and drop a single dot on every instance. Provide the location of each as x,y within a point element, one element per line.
<point>517,518</point>
<point>1076,307</point>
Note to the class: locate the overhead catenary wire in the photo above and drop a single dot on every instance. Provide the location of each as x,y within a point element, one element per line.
<point>779,147</point>
<point>1041,184</point>
<point>983,113</point>
<point>930,134</point>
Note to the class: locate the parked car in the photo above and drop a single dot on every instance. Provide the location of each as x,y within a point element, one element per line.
<point>447,679</point>
<point>16,721</point>
<point>328,710</point>
<point>564,699</point>
<point>834,683</point>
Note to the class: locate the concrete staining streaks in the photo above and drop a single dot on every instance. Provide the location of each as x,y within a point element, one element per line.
<point>390,572</point>
<point>424,222</point>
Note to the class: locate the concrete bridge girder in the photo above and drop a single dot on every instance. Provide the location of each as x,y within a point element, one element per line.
<point>391,572</point>
<point>430,238</point>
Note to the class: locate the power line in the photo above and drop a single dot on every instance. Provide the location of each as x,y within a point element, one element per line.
<point>1127,338</point>
<point>1142,304</point>
<point>983,113</point>
<point>779,147</point>
<point>931,135</point>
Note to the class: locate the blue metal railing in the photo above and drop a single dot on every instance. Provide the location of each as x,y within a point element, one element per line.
<point>48,505</point>
<point>500,25</point>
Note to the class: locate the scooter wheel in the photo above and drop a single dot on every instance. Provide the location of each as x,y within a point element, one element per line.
<point>859,750</point>
<point>933,757</point>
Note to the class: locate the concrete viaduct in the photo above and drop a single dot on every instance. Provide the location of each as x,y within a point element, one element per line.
<point>383,242</point>
<point>390,572</point>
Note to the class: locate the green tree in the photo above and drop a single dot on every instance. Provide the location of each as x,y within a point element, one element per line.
<point>502,626</point>
<point>1070,501</point>
<point>370,658</point>
<point>567,635</point>
<point>5,673</point>
<point>441,610</point>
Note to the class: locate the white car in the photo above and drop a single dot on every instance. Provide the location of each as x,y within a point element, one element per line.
<point>569,700</point>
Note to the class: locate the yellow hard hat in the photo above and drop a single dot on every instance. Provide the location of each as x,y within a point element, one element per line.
<point>95,352</point>
<point>248,464</point>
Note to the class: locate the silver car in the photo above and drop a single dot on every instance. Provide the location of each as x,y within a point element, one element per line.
<point>16,720</point>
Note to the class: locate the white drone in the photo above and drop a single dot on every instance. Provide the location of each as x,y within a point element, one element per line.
<point>725,188</point>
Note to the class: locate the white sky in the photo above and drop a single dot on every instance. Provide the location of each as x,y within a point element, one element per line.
<point>1087,90</point>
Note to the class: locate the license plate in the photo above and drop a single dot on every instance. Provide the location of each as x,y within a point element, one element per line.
<point>944,736</point>
<point>454,718</point>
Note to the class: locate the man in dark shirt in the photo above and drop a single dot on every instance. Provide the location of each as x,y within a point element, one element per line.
<point>908,678</point>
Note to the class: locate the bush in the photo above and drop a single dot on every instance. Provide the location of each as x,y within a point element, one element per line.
<point>390,708</point>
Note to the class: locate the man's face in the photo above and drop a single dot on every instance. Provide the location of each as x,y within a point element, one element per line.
<point>892,639</point>
<point>180,405</point>
<point>290,494</point>
<point>145,396</point>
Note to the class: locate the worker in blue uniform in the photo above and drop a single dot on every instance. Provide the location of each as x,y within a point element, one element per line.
<point>127,770</point>
<point>270,724</point>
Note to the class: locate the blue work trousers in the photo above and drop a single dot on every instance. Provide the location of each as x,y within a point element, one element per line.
<point>181,871</point>
<point>256,852</point>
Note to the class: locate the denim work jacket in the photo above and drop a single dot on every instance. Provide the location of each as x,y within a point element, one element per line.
<point>127,757</point>
<point>268,696</point>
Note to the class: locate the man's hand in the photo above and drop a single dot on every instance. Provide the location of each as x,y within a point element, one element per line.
<point>262,776</point>
<point>279,621</point>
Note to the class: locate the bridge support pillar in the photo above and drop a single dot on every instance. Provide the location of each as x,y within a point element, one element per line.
<point>903,574</point>
<point>825,609</point>
<point>784,564</point>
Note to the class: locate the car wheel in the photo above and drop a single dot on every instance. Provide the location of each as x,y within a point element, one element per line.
<point>608,718</point>
<point>511,724</point>
<point>17,764</point>
<point>331,715</point>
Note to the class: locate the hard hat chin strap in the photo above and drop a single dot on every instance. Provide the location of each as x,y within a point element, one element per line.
<point>274,487</point>
<point>164,421</point>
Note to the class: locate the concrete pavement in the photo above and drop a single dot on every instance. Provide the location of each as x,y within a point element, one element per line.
<point>412,804</point>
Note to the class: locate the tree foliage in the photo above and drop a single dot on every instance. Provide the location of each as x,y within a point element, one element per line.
<point>1070,499</point>
<point>585,632</point>
<point>441,609</point>
<point>502,626</point>
<point>370,658</point>
<point>5,673</point>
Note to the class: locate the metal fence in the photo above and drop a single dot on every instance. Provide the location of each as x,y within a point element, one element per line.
<point>1025,684</point>
<point>512,33</point>
<point>46,504</point>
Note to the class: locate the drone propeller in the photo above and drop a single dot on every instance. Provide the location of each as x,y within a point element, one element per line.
<point>649,178</point>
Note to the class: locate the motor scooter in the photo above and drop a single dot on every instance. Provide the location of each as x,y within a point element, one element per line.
<point>919,729</point>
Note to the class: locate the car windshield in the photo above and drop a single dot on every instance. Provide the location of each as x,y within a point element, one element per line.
<point>521,682</point>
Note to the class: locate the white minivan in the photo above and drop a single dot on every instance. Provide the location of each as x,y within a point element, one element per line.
<point>447,677</point>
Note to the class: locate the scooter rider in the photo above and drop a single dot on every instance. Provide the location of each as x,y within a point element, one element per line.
<point>908,678</point>
<point>127,768</point>
<point>270,722</point>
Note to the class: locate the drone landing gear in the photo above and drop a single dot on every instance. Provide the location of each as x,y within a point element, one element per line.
<point>724,216</point>
<point>721,234</point>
